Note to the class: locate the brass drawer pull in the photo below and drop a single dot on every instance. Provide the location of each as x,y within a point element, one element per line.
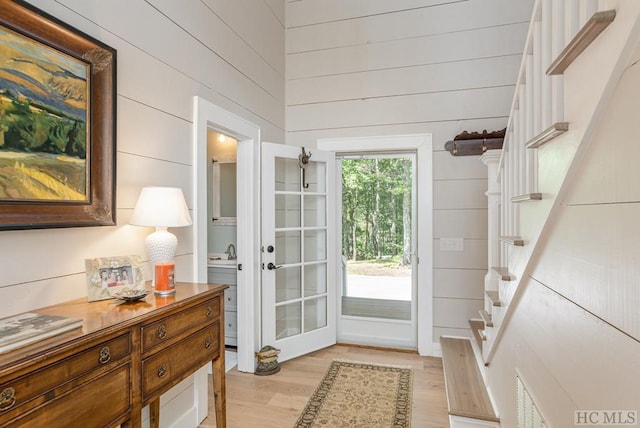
<point>207,343</point>
<point>209,311</point>
<point>162,371</point>
<point>162,331</point>
<point>7,399</point>
<point>105,355</point>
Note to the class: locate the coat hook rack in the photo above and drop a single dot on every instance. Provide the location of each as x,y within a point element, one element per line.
<point>303,160</point>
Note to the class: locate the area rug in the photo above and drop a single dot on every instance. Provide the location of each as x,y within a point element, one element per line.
<point>360,395</point>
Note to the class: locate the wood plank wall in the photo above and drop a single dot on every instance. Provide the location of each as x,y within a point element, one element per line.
<point>231,53</point>
<point>374,67</point>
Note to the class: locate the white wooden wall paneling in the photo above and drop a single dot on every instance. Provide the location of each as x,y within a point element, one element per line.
<point>517,357</point>
<point>170,44</point>
<point>448,167</point>
<point>278,9</point>
<point>480,43</point>
<point>592,259</point>
<point>610,174</point>
<point>600,378</point>
<point>144,78</point>
<point>442,131</point>
<point>306,12</point>
<point>459,194</point>
<point>255,23</point>
<point>205,26</point>
<point>455,312</point>
<point>459,16</point>
<point>474,255</point>
<point>467,223</point>
<point>152,133</point>
<point>144,171</point>
<point>459,283</point>
<point>402,109</point>
<point>420,79</point>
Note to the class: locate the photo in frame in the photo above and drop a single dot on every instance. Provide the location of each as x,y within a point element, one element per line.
<point>111,277</point>
<point>57,123</point>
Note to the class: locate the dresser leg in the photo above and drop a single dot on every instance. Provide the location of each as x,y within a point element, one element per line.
<point>154,413</point>
<point>219,391</point>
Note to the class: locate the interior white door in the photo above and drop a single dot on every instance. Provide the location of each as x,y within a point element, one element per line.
<point>298,250</point>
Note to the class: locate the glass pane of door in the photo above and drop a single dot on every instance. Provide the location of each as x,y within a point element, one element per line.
<point>301,247</point>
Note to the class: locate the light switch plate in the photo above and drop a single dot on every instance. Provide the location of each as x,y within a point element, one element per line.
<point>451,244</point>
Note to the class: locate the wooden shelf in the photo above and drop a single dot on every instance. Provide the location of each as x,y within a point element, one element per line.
<point>494,297</point>
<point>466,392</point>
<point>486,318</point>
<point>547,135</point>
<point>503,272</point>
<point>513,240</point>
<point>583,38</point>
<point>527,197</point>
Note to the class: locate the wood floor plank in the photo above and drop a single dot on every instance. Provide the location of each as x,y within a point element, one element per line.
<point>276,401</point>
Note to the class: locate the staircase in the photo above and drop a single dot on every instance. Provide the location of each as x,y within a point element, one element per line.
<point>575,53</point>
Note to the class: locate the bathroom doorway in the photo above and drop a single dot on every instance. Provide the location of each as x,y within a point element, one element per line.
<point>222,242</point>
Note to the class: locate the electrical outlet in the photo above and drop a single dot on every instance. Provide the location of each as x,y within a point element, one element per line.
<point>451,244</point>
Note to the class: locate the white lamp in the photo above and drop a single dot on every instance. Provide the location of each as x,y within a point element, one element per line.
<point>161,207</point>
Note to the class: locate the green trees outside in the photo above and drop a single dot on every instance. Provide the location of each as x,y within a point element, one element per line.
<point>376,208</point>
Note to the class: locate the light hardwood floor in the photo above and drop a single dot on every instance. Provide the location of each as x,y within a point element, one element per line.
<point>276,401</point>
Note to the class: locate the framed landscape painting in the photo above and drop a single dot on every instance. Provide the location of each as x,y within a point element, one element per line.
<point>57,123</point>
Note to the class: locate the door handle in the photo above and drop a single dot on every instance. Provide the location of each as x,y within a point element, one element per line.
<point>271,266</point>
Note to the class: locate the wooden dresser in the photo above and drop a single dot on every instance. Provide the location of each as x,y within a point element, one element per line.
<point>124,357</point>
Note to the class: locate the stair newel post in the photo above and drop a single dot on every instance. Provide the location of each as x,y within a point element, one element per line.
<point>491,158</point>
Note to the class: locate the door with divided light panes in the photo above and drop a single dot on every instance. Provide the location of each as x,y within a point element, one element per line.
<point>298,250</point>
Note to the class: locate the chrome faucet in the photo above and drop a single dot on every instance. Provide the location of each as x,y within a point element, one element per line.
<point>231,252</point>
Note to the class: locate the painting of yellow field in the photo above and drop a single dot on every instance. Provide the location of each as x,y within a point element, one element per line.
<point>43,122</point>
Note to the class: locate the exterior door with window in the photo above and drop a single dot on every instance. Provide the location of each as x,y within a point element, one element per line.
<point>298,250</point>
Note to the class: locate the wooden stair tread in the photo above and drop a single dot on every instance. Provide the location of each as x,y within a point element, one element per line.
<point>486,318</point>
<point>503,273</point>
<point>494,297</point>
<point>547,135</point>
<point>476,328</point>
<point>583,38</point>
<point>527,197</point>
<point>466,392</point>
<point>513,240</point>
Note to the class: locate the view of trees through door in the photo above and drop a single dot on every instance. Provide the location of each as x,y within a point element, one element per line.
<point>377,246</point>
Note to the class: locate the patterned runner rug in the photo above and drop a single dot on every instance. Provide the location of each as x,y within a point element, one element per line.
<point>360,395</point>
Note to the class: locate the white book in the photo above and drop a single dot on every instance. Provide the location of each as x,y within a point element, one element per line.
<point>23,329</point>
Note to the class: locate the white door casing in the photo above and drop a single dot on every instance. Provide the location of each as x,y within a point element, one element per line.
<point>298,250</point>
<point>209,116</point>
<point>422,144</point>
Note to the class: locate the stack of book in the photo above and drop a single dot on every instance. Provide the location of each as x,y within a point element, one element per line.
<point>24,329</point>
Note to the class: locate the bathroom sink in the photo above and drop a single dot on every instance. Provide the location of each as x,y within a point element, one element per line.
<point>221,260</point>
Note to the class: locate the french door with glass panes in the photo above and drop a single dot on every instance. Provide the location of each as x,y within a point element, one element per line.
<point>298,250</point>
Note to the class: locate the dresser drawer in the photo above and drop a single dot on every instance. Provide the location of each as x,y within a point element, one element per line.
<point>163,370</point>
<point>231,298</point>
<point>106,401</point>
<point>171,329</point>
<point>26,392</point>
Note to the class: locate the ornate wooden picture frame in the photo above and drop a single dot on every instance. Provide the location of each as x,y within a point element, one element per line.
<point>57,123</point>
